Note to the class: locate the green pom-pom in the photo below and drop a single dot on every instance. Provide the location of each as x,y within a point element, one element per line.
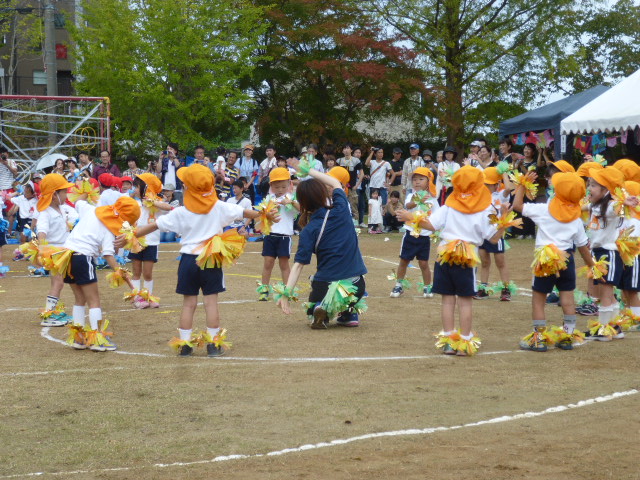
<point>488,289</point>
<point>305,165</point>
<point>340,296</point>
<point>503,167</point>
<point>280,290</point>
<point>511,286</point>
<point>263,288</point>
<point>360,306</point>
<point>580,298</point>
<point>421,286</point>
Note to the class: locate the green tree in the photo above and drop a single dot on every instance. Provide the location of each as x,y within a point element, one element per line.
<point>326,67</point>
<point>170,68</point>
<point>477,52</point>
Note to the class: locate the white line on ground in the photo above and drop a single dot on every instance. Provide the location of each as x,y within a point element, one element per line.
<point>344,441</point>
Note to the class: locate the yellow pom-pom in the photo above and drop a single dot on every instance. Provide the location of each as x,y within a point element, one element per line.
<point>118,278</point>
<point>458,252</point>
<point>599,269</point>
<point>628,246</point>
<point>549,260</point>
<point>263,223</point>
<point>220,250</point>
<point>505,221</point>
<point>531,189</point>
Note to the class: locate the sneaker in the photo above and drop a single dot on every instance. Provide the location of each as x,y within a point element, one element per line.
<point>386,230</point>
<point>185,351</point>
<point>214,351</point>
<point>372,231</point>
<point>363,225</point>
<point>96,347</point>
<point>140,302</point>
<point>564,345</point>
<point>601,333</point>
<point>426,292</point>
<point>54,322</point>
<point>448,350</point>
<point>263,297</point>
<point>18,257</point>
<point>505,295</point>
<point>553,299</point>
<point>535,341</point>
<point>320,318</point>
<point>396,292</point>
<point>346,319</point>
<point>154,305</point>
<point>587,310</point>
<point>108,345</point>
<point>620,334</point>
<point>481,294</point>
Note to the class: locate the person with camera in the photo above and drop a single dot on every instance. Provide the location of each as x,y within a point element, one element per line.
<point>8,172</point>
<point>85,164</point>
<point>167,166</point>
<point>266,166</point>
<point>132,170</point>
<point>354,166</point>
<point>410,165</point>
<point>380,171</point>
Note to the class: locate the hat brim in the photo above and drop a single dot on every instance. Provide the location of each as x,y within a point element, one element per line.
<point>45,198</point>
<point>564,211</point>
<point>106,216</point>
<point>599,176</point>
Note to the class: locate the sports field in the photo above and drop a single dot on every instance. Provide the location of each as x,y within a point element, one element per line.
<point>377,401</point>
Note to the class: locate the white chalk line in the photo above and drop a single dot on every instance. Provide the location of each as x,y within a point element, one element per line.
<point>345,441</point>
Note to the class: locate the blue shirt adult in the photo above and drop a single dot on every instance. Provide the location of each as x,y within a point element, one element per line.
<point>338,253</point>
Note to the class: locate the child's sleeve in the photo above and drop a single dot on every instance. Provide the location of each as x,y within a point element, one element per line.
<point>107,247</point>
<point>580,238</point>
<point>306,245</point>
<point>43,222</point>
<point>170,222</point>
<point>535,211</point>
<point>438,218</point>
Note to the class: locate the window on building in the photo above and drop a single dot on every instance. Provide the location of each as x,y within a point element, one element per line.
<point>39,77</point>
<point>59,20</point>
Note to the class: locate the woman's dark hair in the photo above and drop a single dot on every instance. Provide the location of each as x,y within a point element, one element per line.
<point>532,146</point>
<point>394,194</point>
<point>507,141</point>
<point>375,190</point>
<point>55,165</point>
<point>487,148</point>
<point>312,195</point>
<point>603,205</point>
<point>138,182</point>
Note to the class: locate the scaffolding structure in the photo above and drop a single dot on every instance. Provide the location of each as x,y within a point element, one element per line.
<point>33,127</point>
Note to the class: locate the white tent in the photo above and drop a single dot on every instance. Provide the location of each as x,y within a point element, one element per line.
<point>616,109</point>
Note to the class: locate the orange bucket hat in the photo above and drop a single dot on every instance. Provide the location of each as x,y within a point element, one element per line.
<point>49,185</point>
<point>569,190</point>
<point>278,174</point>
<point>629,168</point>
<point>563,166</point>
<point>633,188</point>
<point>200,195</point>
<point>426,172</point>
<point>470,195</point>
<point>342,175</point>
<point>583,170</point>
<point>609,177</point>
<point>153,183</point>
<point>126,209</point>
<point>492,176</point>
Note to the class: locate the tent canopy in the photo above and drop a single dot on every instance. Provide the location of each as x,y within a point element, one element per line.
<point>549,116</point>
<point>617,109</point>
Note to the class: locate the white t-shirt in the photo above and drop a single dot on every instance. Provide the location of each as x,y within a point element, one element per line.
<point>378,175</point>
<point>376,211</point>
<point>196,228</point>
<point>221,163</point>
<point>55,225</point>
<point>267,165</point>
<point>287,217</point>
<point>109,197</point>
<point>90,236</point>
<point>550,231</point>
<point>245,203</point>
<point>473,228</point>
<point>499,198</point>
<point>26,207</point>
<point>170,175</point>
<point>442,168</point>
<point>604,236</point>
<point>434,207</point>
<point>145,218</point>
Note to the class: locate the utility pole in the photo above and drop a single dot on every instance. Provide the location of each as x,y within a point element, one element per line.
<point>50,64</point>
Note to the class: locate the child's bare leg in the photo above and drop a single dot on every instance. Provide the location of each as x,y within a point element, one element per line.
<point>91,293</point>
<point>426,271</point>
<point>147,271</point>
<point>485,265</point>
<point>447,312</point>
<point>57,282</point>
<point>465,310</point>
<point>285,269</point>
<point>136,267</point>
<point>538,301</point>
<point>189,304</point>
<point>78,294</point>
<point>607,297</point>
<point>267,268</point>
<point>568,303</point>
<point>501,264</point>
<point>402,269</point>
<point>211,310</point>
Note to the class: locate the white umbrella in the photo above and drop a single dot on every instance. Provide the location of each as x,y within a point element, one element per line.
<point>49,160</point>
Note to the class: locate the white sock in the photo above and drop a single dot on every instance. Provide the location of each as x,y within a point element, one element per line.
<point>447,334</point>
<point>51,302</point>
<point>398,284</point>
<point>213,331</point>
<point>149,285</point>
<point>635,311</point>
<point>95,315</point>
<point>467,337</point>
<point>616,310</point>
<point>605,314</point>
<point>78,315</point>
<point>136,284</point>
<point>569,322</point>
<point>184,334</point>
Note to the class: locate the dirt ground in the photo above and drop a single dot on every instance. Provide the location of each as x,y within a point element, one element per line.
<point>144,413</point>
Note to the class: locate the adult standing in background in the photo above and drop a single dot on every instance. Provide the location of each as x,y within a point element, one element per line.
<point>410,164</point>
<point>395,182</point>
<point>167,167</point>
<point>361,186</point>
<point>198,155</point>
<point>380,173</point>
<point>354,167</point>
<point>86,165</point>
<point>106,166</point>
<point>8,172</point>
<point>249,169</point>
<point>132,167</point>
<point>268,163</point>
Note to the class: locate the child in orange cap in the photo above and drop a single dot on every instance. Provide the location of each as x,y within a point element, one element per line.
<point>94,234</point>
<point>200,223</point>
<point>416,242</point>
<point>604,225</point>
<point>494,180</point>
<point>277,243</point>
<point>54,220</point>
<point>560,230</point>
<point>146,188</point>
<point>464,224</point>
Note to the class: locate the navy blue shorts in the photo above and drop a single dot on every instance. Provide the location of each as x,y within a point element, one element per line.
<point>148,254</point>
<point>493,247</point>
<point>3,239</point>
<point>83,270</point>
<point>631,277</point>
<point>566,281</point>
<point>454,280</point>
<point>22,222</point>
<point>192,278</point>
<point>415,247</point>
<point>277,246</point>
<point>616,266</point>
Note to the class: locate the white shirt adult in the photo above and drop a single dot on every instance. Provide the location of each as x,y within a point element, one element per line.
<point>410,165</point>
<point>8,171</point>
<point>378,175</point>
<point>267,165</point>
